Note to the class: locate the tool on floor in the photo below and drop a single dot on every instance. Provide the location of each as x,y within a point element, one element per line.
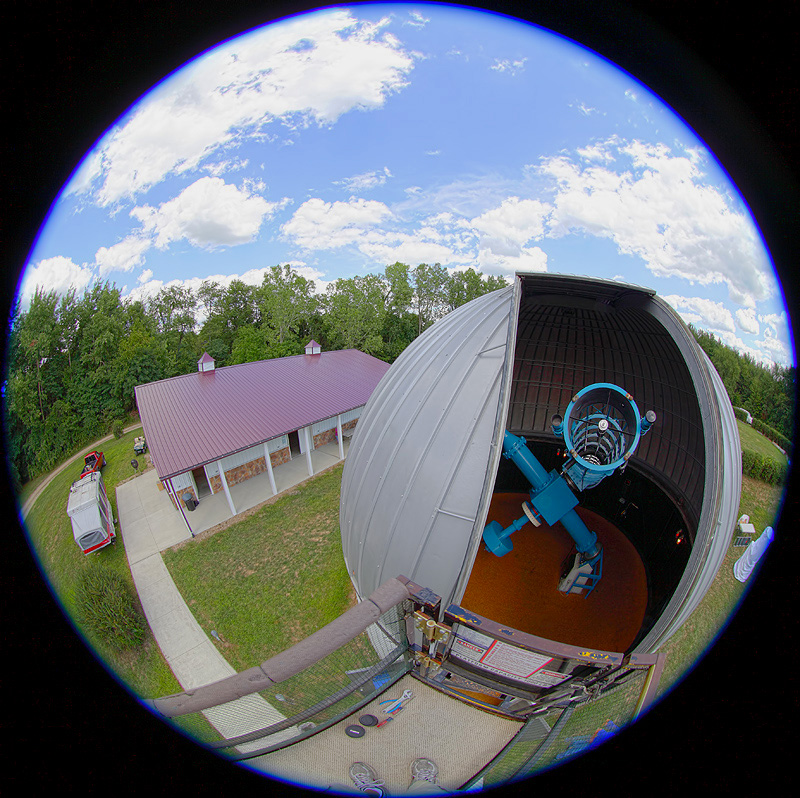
<point>354,731</point>
<point>384,722</point>
<point>395,705</point>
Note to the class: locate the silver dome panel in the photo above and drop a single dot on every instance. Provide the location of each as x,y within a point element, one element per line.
<point>419,471</point>
<point>422,465</point>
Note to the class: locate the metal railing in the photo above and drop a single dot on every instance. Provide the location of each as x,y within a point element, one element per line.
<point>343,666</point>
<point>311,685</point>
<point>582,721</point>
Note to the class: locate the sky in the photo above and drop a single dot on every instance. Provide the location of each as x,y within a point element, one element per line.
<point>347,139</point>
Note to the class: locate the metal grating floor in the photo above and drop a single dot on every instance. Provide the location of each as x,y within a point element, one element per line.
<point>459,738</point>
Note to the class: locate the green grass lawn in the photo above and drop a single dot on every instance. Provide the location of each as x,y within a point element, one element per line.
<point>143,669</point>
<point>272,579</point>
<point>754,441</point>
<point>761,502</point>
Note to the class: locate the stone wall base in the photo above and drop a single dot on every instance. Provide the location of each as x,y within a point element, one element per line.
<point>247,470</point>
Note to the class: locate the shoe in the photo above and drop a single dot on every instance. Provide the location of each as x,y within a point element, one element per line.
<point>424,770</point>
<point>365,778</point>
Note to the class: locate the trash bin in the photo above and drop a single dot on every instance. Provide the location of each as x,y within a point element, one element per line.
<point>190,501</point>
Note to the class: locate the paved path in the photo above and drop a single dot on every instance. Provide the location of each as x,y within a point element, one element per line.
<point>149,524</point>
<point>26,508</point>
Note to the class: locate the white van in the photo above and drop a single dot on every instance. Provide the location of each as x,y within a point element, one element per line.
<point>90,512</point>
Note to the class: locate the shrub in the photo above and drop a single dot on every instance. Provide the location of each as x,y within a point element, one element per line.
<point>764,468</point>
<point>106,608</point>
<point>117,429</point>
<point>773,435</point>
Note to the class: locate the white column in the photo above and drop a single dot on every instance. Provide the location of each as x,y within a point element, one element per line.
<point>309,447</point>
<point>208,479</point>
<point>268,460</point>
<point>339,436</point>
<point>225,487</point>
<point>171,490</point>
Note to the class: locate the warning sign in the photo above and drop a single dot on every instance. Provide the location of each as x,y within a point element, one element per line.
<point>495,656</point>
<point>513,661</point>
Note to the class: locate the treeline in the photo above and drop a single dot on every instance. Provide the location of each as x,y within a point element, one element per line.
<point>73,361</point>
<point>768,393</point>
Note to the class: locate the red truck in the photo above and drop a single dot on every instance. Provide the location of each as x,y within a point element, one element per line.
<point>93,461</point>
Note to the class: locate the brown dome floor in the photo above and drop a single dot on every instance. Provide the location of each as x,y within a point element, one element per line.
<point>520,590</point>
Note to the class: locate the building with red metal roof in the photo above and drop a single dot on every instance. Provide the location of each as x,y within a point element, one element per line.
<point>216,427</point>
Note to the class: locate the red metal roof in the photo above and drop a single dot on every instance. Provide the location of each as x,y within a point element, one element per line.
<point>198,418</point>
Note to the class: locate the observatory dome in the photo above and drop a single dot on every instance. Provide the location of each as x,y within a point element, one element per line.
<point>424,473</point>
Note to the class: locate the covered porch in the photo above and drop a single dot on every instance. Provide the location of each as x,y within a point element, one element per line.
<point>215,508</point>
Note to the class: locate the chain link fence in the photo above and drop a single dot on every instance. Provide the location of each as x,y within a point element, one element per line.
<point>562,733</point>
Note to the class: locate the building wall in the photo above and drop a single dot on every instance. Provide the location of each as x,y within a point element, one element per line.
<point>179,491</point>
<point>250,462</point>
<point>182,483</point>
<point>249,469</point>
<point>329,435</point>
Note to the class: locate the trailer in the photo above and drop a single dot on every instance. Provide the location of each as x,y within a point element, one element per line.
<point>89,511</point>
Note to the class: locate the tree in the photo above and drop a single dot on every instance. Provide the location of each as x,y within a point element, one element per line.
<point>399,293</point>
<point>173,309</point>
<point>287,302</point>
<point>430,290</point>
<point>37,340</point>
<point>229,309</point>
<point>142,358</point>
<point>250,344</point>
<point>355,310</point>
<point>464,286</point>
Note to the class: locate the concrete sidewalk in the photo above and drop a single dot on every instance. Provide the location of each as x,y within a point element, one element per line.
<point>149,524</point>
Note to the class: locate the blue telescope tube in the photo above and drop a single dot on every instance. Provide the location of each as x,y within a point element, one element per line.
<point>516,450</point>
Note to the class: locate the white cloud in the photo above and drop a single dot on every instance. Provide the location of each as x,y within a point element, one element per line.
<point>708,313</point>
<point>309,69</point>
<point>595,152</point>
<point>507,65</point>
<point>660,210</point>
<point>498,240</point>
<point>124,256</point>
<point>506,229</point>
<point>586,110</point>
<point>410,248</point>
<point>732,340</point>
<point>147,289</point>
<point>528,259</point>
<point>209,213</point>
<point>417,20</point>
<point>145,276</point>
<point>324,225</point>
<point>775,321</point>
<point>746,319</point>
<point>774,348</point>
<point>57,274</point>
<point>366,180</point>
<point>223,167</point>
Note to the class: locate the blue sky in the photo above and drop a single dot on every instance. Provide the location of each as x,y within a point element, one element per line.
<point>347,139</point>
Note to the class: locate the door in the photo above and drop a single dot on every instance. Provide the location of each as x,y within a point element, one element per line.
<point>201,482</point>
